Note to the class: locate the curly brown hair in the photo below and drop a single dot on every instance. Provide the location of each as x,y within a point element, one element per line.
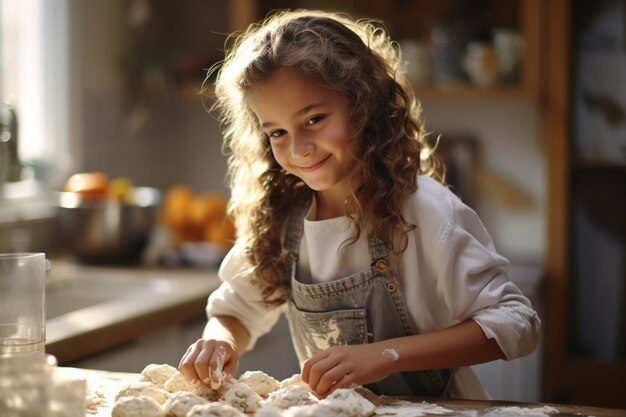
<point>357,59</point>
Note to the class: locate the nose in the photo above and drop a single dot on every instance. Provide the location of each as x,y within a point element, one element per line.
<point>301,146</point>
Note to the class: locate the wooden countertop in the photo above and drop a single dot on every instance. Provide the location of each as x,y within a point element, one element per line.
<point>107,384</point>
<point>181,296</point>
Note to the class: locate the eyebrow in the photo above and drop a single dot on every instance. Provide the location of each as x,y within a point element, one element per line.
<point>300,112</point>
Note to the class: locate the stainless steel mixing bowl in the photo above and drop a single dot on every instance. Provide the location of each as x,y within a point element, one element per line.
<point>108,231</point>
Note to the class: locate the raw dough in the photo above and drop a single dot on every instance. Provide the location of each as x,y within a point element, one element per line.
<point>137,407</point>
<point>158,374</point>
<point>143,388</point>
<point>178,383</point>
<point>214,410</point>
<point>260,382</point>
<point>314,410</point>
<point>269,412</point>
<point>350,403</point>
<point>179,404</point>
<point>289,397</point>
<point>294,381</point>
<point>242,397</point>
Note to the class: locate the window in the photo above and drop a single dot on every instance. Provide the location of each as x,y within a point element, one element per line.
<point>35,71</point>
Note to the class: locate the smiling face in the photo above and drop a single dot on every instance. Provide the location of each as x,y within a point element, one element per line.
<point>309,131</point>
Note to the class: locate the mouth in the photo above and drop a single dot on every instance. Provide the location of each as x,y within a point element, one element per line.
<point>313,167</point>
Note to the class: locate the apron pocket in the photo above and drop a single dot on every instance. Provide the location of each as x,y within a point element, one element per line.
<point>313,332</point>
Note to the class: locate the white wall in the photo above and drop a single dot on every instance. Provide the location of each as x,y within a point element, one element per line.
<point>511,146</point>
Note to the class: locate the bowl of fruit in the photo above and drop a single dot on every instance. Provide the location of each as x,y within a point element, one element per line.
<point>106,221</point>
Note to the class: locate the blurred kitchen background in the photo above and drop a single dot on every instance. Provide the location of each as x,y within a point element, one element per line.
<point>527,96</point>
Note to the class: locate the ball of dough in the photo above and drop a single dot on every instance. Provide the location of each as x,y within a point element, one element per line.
<point>259,381</point>
<point>178,383</point>
<point>314,410</point>
<point>350,402</point>
<point>137,407</point>
<point>158,374</point>
<point>242,397</point>
<point>269,412</point>
<point>289,397</point>
<point>143,388</point>
<point>214,410</point>
<point>294,381</point>
<point>179,403</point>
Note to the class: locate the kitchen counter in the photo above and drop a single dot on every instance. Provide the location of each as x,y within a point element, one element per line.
<point>107,384</point>
<point>158,297</point>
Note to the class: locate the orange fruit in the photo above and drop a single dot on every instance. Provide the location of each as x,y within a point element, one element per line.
<point>205,209</point>
<point>94,184</point>
<point>222,233</point>
<point>122,189</point>
<point>176,204</point>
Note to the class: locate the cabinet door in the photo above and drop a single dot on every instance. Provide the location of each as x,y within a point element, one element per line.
<point>585,324</point>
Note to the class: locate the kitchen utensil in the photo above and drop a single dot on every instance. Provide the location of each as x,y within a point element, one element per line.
<point>108,230</point>
<point>22,306</point>
<point>481,64</point>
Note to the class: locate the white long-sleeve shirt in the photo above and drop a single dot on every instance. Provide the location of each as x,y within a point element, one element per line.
<point>449,273</point>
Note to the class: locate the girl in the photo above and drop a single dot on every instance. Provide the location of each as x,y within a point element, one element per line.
<point>388,280</point>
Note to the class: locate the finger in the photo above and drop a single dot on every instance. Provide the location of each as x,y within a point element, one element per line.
<point>187,363</point>
<point>230,368</point>
<point>329,380</point>
<point>305,375</point>
<point>216,365</point>
<point>201,364</point>
<point>345,382</point>
<point>320,368</point>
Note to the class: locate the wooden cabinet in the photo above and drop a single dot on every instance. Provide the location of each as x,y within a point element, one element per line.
<point>574,374</point>
<point>415,22</point>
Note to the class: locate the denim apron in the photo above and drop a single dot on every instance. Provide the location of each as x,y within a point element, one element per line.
<point>362,308</point>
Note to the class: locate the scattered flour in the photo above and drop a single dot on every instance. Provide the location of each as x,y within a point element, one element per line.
<point>544,411</point>
<point>411,409</point>
<point>94,399</point>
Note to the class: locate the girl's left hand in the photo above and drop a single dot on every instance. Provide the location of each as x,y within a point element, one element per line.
<point>346,366</point>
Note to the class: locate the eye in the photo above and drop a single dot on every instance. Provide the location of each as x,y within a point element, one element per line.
<point>276,133</point>
<point>314,120</point>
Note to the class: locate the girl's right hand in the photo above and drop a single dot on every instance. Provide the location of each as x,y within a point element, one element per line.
<point>209,361</point>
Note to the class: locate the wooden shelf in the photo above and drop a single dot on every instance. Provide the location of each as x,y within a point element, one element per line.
<point>412,20</point>
<point>597,164</point>
<point>469,92</point>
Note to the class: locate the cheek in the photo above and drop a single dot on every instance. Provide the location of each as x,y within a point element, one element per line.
<point>341,139</point>
<point>279,154</point>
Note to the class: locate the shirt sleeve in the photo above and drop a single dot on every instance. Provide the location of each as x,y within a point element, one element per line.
<point>238,297</point>
<point>473,281</point>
